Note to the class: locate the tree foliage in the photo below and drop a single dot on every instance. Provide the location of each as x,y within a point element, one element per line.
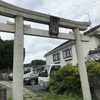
<point>1,53</point>
<point>6,54</point>
<point>38,62</point>
<point>93,69</point>
<point>67,80</point>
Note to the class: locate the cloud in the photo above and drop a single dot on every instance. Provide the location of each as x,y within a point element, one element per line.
<point>33,4</point>
<point>6,36</point>
<point>36,47</point>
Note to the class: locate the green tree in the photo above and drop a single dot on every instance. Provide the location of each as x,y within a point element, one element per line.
<point>1,53</point>
<point>6,54</point>
<point>38,62</point>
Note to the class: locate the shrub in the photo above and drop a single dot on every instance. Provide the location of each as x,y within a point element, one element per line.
<point>93,69</point>
<point>67,80</point>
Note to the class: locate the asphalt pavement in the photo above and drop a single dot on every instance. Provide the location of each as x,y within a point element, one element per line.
<point>36,89</point>
<point>28,89</point>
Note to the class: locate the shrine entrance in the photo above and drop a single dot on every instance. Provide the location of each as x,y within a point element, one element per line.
<point>20,14</point>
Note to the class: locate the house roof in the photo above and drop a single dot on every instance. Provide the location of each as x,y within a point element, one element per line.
<point>70,42</point>
<point>92,30</point>
<point>62,46</point>
<point>93,54</point>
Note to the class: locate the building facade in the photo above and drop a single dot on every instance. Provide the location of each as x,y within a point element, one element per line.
<point>66,52</point>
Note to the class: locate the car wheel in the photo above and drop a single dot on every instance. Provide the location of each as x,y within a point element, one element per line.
<point>33,82</point>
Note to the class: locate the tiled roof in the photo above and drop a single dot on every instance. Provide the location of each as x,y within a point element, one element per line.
<point>93,54</point>
<point>91,30</point>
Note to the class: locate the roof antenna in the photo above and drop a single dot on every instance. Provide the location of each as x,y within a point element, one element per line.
<point>89,19</point>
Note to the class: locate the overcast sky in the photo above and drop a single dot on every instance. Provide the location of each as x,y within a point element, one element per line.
<point>78,10</point>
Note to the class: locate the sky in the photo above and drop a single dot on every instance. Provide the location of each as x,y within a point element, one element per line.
<point>78,10</point>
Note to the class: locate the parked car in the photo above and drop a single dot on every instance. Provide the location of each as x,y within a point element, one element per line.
<point>10,76</point>
<point>27,73</point>
<point>32,80</point>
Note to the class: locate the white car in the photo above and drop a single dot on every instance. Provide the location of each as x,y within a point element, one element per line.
<point>27,73</point>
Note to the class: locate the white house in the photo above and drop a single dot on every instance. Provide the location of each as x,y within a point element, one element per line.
<point>66,53</point>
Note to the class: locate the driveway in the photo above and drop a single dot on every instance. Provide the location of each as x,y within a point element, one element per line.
<point>36,89</point>
<point>28,91</point>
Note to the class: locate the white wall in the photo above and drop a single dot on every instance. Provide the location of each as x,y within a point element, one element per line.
<point>87,46</point>
<point>62,61</point>
<point>97,40</point>
<point>49,59</point>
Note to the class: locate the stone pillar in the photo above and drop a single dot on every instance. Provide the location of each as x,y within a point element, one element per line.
<point>81,66</point>
<point>18,60</point>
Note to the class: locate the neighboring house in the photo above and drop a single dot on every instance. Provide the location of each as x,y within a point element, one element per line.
<point>93,54</point>
<point>66,52</point>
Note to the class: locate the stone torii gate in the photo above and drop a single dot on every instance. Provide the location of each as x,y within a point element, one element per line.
<point>20,14</point>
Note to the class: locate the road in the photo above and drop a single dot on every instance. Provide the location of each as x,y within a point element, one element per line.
<point>29,91</point>
<point>36,89</point>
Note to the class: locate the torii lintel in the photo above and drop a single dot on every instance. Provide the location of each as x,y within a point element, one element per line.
<point>10,10</point>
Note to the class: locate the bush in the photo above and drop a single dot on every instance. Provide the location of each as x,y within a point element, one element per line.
<point>48,96</point>
<point>93,69</point>
<point>67,80</point>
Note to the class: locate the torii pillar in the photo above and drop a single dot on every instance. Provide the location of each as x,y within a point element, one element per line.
<point>18,60</point>
<point>81,66</point>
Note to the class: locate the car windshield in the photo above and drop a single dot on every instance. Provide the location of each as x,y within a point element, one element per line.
<point>55,68</point>
<point>44,71</point>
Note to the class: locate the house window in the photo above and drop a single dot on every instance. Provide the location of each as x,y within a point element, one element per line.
<point>67,53</point>
<point>56,57</point>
